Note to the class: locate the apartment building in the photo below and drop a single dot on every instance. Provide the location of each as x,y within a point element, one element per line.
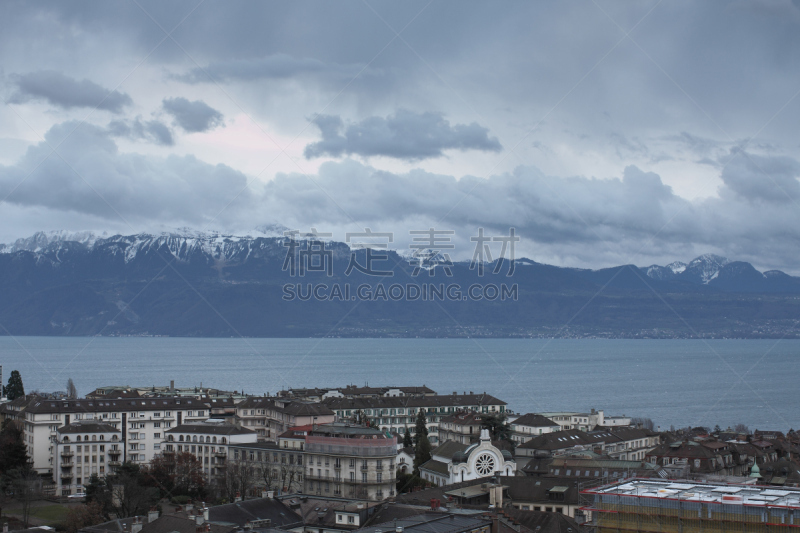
<point>463,427</point>
<point>209,442</point>
<point>350,461</point>
<point>396,414</point>
<point>353,391</point>
<point>274,468</point>
<point>625,443</point>
<point>270,416</point>
<point>586,421</point>
<point>84,448</point>
<point>140,421</point>
<point>528,426</point>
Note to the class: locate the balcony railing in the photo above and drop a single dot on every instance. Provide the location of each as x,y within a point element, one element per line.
<point>331,479</point>
<point>67,453</point>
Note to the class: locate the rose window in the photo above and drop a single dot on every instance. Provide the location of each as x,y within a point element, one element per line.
<point>484,464</point>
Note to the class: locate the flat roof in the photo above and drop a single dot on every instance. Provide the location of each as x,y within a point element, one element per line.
<point>722,493</point>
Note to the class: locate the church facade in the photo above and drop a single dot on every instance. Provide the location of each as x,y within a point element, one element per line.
<point>453,462</point>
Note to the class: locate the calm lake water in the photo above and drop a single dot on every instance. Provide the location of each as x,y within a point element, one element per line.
<point>680,382</point>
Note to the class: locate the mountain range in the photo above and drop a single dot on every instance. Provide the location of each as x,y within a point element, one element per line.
<point>189,283</point>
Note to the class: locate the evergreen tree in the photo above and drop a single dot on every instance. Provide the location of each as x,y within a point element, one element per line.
<point>14,389</point>
<point>498,428</point>
<point>422,452</point>
<point>408,442</point>
<point>421,426</point>
<point>13,452</point>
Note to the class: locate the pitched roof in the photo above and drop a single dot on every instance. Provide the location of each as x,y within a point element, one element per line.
<point>87,427</point>
<point>448,449</point>
<point>534,420</point>
<point>446,400</point>
<point>211,429</point>
<point>542,522</point>
<point>240,513</point>
<point>437,467</point>
<point>431,523</point>
<point>180,524</point>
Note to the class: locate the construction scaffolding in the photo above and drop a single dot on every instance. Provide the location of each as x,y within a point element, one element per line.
<point>664,506</point>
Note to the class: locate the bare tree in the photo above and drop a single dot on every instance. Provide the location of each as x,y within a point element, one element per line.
<point>72,391</point>
<point>646,423</point>
<point>741,428</point>
<point>270,475</point>
<point>27,488</point>
<point>238,477</point>
<point>291,477</point>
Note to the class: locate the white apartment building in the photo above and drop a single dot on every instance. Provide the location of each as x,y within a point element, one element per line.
<point>396,414</point>
<point>141,423</point>
<point>586,421</point>
<point>83,449</point>
<point>209,442</point>
<point>526,427</point>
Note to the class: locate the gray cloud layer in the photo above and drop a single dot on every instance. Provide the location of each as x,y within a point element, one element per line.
<point>404,135</point>
<point>196,116</point>
<point>275,66</point>
<point>151,131</point>
<point>558,217</point>
<point>66,92</point>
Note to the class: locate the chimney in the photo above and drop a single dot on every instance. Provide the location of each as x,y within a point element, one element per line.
<point>172,384</point>
<point>152,516</point>
<point>270,494</point>
<point>205,513</point>
<point>137,525</point>
<point>5,527</point>
<point>264,494</point>
<point>495,523</point>
<point>199,519</point>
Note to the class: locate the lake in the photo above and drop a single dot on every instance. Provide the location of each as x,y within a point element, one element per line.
<point>674,382</point>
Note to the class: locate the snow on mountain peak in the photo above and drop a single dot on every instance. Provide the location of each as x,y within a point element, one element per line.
<point>677,267</point>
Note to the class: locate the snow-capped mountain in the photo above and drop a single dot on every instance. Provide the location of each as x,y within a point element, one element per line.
<point>701,269</point>
<point>705,268</point>
<point>182,243</point>
<point>188,282</point>
<point>41,240</point>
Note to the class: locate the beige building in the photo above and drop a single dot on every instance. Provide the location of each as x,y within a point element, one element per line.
<point>271,416</point>
<point>83,449</point>
<point>350,461</point>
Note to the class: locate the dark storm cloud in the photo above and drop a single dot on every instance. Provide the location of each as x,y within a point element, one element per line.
<point>151,130</point>
<point>66,92</point>
<point>771,179</point>
<point>277,66</point>
<point>196,116</point>
<point>404,135</point>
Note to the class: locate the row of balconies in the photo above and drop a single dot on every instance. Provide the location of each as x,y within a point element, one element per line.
<point>344,481</point>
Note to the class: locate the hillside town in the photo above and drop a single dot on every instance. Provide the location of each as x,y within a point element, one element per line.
<point>375,459</point>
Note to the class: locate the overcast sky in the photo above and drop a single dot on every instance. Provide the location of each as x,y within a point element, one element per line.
<point>604,132</point>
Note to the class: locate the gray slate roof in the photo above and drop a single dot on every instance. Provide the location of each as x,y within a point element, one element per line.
<point>241,513</point>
